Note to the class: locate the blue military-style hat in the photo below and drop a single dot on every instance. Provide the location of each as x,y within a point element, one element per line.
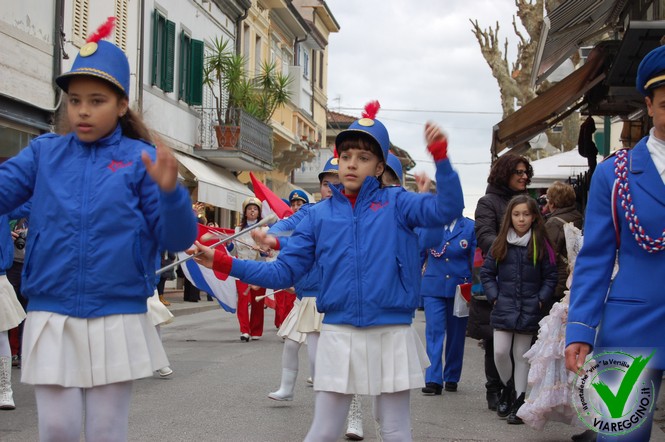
<point>298,195</point>
<point>368,125</point>
<point>332,166</point>
<point>101,59</point>
<point>395,165</point>
<point>651,71</point>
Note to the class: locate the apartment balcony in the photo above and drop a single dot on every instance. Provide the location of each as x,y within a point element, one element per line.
<point>244,144</point>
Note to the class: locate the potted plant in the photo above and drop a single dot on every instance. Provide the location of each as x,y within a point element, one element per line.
<point>224,74</point>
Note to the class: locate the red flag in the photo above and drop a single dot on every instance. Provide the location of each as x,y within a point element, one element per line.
<point>271,202</point>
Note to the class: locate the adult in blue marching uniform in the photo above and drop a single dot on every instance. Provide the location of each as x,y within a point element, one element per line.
<point>625,213</point>
<point>450,251</point>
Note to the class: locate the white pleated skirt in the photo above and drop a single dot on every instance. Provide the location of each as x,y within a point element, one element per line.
<point>369,361</point>
<point>302,319</point>
<point>157,312</point>
<point>11,311</point>
<point>309,318</point>
<point>288,328</point>
<point>79,352</point>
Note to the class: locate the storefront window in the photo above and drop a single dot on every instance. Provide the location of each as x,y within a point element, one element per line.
<point>13,139</point>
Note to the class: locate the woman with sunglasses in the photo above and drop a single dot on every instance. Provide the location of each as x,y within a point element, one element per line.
<point>509,176</point>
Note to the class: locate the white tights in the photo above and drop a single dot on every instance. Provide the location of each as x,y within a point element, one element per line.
<point>392,410</point>
<point>5,349</point>
<point>312,344</point>
<point>61,411</point>
<point>521,344</point>
<point>290,355</point>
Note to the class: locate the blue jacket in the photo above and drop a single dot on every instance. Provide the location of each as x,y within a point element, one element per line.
<point>97,222</point>
<point>365,280</point>
<point>628,312</point>
<point>454,267</point>
<point>308,285</point>
<point>519,288</point>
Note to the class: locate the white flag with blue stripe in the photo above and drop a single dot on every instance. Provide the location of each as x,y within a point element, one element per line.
<point>204,278</point>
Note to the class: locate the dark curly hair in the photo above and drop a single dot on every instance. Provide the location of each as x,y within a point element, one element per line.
<point>503,168</point>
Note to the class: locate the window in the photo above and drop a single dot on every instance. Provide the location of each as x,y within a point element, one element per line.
<point>321,70</point>
<point>190,75</point>
<point>286,61</point>
<point>121,9</point>
<point>163,52</point>
<point>305,64</point>
<point>314,70</point>
<point>14,138</point>
<point>258,59</point>
<point>80,21</point>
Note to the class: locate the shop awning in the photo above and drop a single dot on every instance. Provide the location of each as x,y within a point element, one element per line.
<point>217,186</point>
<point>567,27</point>
<point>550,107</point>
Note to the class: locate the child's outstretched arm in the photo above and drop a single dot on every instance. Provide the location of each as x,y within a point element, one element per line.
<point>426,210</point>
<point>291,264</point>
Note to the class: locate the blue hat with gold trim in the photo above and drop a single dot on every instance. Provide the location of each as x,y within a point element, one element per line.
<point>332,166</point>
<point>298,195</point>
<point>100,58</point>
<point>368,125</point>
<point>651,71</point>
<point>395,165</point>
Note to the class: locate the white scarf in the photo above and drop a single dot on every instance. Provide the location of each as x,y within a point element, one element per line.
<point>513,239</point>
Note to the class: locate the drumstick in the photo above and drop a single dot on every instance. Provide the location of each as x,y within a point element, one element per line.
<point>267,220</point>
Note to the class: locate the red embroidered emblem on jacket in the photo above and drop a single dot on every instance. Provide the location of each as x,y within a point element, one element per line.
<point>115,165</point>
<point>377,205</point>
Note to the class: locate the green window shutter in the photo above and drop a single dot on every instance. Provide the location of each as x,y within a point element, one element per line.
<point>182,67</point>
<point>155,47</point>
<point>169,57</point>
<point>196,73</point>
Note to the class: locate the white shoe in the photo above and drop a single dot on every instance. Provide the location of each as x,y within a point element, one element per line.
<point>245,337</point>
<point>164,372</point>
<point>256,338</point>
<point>285,392</point>
<point>6,394</point>
<point>354,430</point>
<point>310,381</point>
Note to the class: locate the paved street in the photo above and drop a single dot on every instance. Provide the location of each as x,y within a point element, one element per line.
<point>219,388</point>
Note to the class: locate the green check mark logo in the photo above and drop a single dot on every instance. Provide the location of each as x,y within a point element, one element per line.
<point>617,402</point>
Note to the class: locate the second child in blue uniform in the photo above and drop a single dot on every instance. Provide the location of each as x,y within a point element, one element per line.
<point>368,295</point>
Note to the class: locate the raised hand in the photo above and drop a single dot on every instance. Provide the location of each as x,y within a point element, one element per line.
<point>437,143</point>
<point>422,182</point>
<point>164,171</point>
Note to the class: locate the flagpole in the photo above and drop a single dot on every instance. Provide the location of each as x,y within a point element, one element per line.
<point>267,220</point>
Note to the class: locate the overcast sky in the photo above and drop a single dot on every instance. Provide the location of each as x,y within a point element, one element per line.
<point>422,55</point>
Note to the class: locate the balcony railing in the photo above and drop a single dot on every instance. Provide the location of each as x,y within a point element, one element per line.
<point>251,136</point>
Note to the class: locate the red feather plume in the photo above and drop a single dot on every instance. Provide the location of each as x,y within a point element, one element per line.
<point>103,31</point>
<point>371,109</point>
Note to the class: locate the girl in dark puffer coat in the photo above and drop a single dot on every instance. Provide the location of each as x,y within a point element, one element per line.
<point>519,276</point>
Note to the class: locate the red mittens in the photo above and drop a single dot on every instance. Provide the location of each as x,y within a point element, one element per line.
<point>439,149</point>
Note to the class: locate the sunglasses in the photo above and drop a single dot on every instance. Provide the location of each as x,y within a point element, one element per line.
<point>520,172</point>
